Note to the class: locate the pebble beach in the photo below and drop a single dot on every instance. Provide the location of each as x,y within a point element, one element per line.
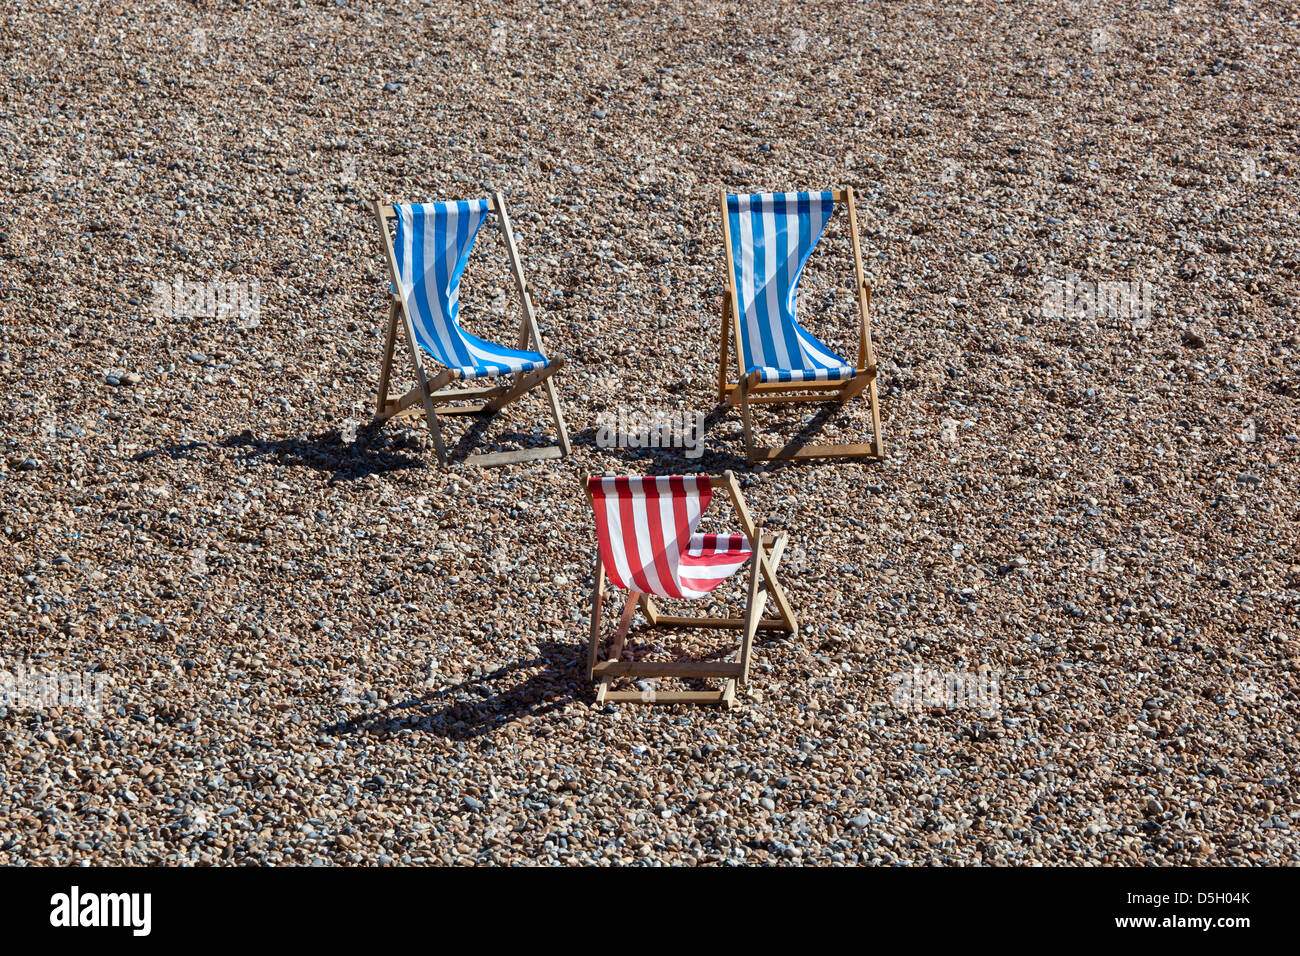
<point>314,645</point>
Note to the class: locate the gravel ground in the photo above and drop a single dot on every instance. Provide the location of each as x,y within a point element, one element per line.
<point>320,647</point>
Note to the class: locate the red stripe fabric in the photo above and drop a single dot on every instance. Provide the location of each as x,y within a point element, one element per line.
<point>663,574</point>
<point>628,499</point>
<point>712,558</point>
<point>642,551</point>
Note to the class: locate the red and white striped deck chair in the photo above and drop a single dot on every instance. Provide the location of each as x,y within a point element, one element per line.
<point>648,546</point>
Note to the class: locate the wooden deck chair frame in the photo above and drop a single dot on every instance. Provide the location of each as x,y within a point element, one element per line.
<point>430,393</point>
<point>767,551</point>
<point>750,390</point>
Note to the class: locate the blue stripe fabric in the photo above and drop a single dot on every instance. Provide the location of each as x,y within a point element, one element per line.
<point>432,246</point>
<point>772,235</point>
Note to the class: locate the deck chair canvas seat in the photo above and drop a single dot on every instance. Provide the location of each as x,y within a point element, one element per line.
<point>426,259</point>
<point>768,238</point>
<point>648,546</point>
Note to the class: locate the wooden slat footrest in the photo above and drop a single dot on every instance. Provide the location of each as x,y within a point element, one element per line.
<point>735,623</point>
<point>801,452</point>
<point>759,388</point>
<point>466,394</point>
<point>725,697</point>
<point>415,411</point>
<point>469,408</point>
<point>510,457</point>
<point>674,669</point>
<point>769,399</point>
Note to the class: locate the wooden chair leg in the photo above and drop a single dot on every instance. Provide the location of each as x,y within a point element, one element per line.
<point>753,610</point>
<point>776,550</point>
<point>650,610</point>
<point>866,350</point>
<point>722,347</point>
<point>877,438</point>
<point>728,698</point>
<point>598,587</point>
<point>624,623</point>
<point>427,387</point>
<point>798,451</point>
<point>553,397</point>
<point>746,418</point>
<point>851,389</point>
<point>390,346</point>
<point>430,413</point>
<point>753,531</point>
<point>528,329</point>
<point>616,646</point>
<point>773,587</point>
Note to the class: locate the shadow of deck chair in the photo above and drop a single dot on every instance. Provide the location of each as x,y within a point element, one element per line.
<point>426,259</point>
<point>768,238</point>
<point>647,545</point>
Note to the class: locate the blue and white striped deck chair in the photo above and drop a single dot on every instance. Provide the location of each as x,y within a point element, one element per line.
<point>768,238</point>
<point>426,258</point>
